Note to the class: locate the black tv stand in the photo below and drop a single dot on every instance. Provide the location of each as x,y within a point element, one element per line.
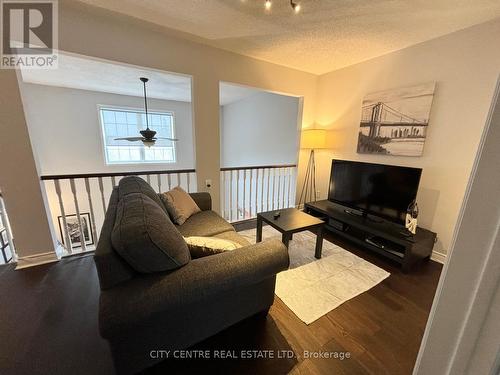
<point>373,233</point>
<point>363,215</point>
<point>350,212</point>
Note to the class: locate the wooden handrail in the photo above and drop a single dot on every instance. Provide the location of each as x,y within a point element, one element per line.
<point>257,167</point>
<point>113,174</point>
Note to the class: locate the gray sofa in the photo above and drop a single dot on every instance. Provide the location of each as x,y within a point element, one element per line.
<point>140,313</point>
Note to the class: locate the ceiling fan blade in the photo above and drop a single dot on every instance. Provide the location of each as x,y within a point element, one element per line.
<point>130,139</point>
<point>169,139</point>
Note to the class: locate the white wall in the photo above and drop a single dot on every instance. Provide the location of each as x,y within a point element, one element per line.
<point>262,129</point>
<point>465,66</point>
<point>66,133</point>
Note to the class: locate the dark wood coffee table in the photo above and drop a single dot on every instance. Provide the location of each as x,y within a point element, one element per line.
<point>292,221</point>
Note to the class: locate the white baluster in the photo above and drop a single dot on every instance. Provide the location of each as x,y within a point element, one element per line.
<point>289,174</point>
<point>244,192</point>
<point>256,192</point>
<point>187,178</point>
<point>101,189</point>
<point>169,180</point>
<point>237,195</point>
<point>158,178</point>
<point>268,188</point>
<point>273,185</point>
<point>91,206</point>
<point>261,191</point>
<point>230,195</point>
<point>65,233</point>
<point>178,179</point>
<point>222,195</point>
<point>279,186</point>
<point>250,192</point>
<point>78,217</point>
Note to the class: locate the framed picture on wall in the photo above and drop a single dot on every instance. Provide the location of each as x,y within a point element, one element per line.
<point>74,229</point>
<point>395,122</point>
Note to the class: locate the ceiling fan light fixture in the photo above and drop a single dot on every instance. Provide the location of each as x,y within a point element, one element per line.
<point>148,142</point>
<point>148,136</point>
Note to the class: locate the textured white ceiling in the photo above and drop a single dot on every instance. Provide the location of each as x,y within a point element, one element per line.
<point>324,36</point>
<point>82,73</point>
<point>104,76</point>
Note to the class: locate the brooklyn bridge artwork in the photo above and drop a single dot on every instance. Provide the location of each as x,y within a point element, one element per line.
<point>395,122</point>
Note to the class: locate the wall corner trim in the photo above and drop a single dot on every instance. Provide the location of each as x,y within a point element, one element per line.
<point>438,257</point>
<point>36,260</point>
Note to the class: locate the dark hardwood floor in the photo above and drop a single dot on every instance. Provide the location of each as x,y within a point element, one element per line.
<point>48,325</point>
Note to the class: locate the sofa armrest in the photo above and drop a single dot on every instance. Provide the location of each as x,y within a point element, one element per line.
<point>203,200</point>
<point>134,301</point>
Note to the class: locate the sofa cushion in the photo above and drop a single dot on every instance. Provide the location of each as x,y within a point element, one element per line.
<point>179,204</point>
<point>204,223</point>
<point>145,237</point>
<point>112,269</point>
<point>203,246</point>
<point>233,236</point>
<point>135,184</point>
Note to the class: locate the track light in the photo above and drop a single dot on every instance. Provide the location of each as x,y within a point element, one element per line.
<point>295,6</point>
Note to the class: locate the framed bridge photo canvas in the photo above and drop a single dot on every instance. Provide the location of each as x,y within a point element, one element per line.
<point>395,122</point>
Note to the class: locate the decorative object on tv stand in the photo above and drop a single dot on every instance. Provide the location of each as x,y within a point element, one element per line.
<point>411,217</point>
<point>147,136</point>
<point>73,228</point>
<point>394,122</point>
<point>312,139</point>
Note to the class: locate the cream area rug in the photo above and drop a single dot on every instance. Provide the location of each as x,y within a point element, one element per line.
<point>313,287</point>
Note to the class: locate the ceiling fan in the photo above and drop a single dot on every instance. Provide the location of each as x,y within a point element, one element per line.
<point>147,136</point>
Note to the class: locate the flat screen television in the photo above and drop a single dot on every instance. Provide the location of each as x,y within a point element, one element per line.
<point>382,190</point>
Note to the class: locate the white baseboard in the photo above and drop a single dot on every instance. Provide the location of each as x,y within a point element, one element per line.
<point>36,260</point>
<point>438,257</point>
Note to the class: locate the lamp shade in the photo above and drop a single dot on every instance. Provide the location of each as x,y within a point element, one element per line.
<point>313,138</point>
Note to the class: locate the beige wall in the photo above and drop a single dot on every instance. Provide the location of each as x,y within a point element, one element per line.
<point>98,33</point>
<point>19,182</point>
<point>465,66</point>
<point>462,331</point>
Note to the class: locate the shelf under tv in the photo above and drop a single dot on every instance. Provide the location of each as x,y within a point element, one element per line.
<point>373,233</point>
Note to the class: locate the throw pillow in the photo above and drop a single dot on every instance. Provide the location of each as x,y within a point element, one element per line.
<point>144,236</point>
<point>179,204</point>
<point>202,246</point>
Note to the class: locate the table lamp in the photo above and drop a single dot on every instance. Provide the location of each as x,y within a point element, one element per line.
<point>312,139</point>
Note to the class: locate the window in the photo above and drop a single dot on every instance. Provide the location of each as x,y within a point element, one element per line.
<point>123,122</point>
